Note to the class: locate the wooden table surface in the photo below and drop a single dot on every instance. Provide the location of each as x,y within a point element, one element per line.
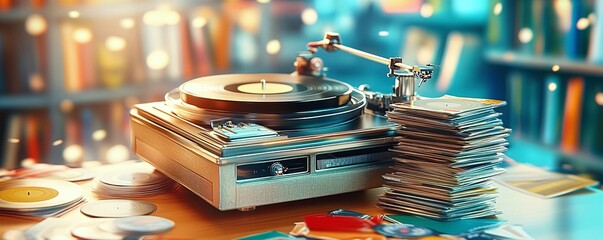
<point>578,216</point>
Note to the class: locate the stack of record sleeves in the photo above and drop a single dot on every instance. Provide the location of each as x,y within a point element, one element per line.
<point>448,151</point>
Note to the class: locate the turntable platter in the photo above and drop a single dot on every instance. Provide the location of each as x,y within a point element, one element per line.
<point>265,93</point>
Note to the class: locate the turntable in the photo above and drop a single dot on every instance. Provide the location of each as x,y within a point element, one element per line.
<point>244,140</point>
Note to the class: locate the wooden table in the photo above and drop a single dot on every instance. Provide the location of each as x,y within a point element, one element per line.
<point>579,216</point>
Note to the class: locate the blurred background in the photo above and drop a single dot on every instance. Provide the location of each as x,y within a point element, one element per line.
<point>70,70</point>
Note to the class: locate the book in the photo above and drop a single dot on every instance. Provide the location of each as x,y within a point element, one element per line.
<point>592,129</point>
<point>32,137</point>
<point>172,34</point>
<point>515,90</point>
<point>155,52</point>
<point>537,26</point>
<point>200,41</point>
<point>2,78</point>
<point>462,51</point>
<point>500,31</point>
<point>532,111</point>
<point>552,34</point>
<point>220,34</point>
<point>524,28</point>
<point>12,142</point>
<point>570,133</point>
<point>577,35</point>
<point>188,71</point>
<point>422,46</point>
<point>71,58</point>
<point>553,109</point>
<point>595,53</point>
<point>10,33</point>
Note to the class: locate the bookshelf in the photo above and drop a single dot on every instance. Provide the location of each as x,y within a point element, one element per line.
<point>68,99</point>
<point>548,55</point>
<point>55,107</point>
<point>543,63</point>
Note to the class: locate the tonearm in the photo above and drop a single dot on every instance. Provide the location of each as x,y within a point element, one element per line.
<point>404,89</point>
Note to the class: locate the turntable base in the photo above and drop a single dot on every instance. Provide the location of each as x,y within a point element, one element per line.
<point>245,140</point>
<point>320,164</point>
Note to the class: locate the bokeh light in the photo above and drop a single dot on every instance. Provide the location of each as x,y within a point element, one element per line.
<point>273,46</point>
<point>117,153</point>
<point>36,24</point>
<point>525,35</point>
<point>158,60</point>
<point>552,86</point>
<point>99,135</point>
<point>498,7</point>
<point>309,16</point>
<point>82,35</point>
<point>115,43</point>
<point>73,153</point>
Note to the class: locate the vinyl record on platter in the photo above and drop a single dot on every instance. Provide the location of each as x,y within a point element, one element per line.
<point>37,194</point>
<point>294,120</point>
<point>265,93</point>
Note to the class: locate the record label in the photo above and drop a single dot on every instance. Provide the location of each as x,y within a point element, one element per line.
<point>118,208</point>
<point>403,231</point>
<point>28,194</point>
<point>265,88</point>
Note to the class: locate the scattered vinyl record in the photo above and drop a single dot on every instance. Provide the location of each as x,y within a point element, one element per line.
<point>403,231</point>
<point>91,230</point>
<point>118,208</point>
<point>37,194</point>
<point>133,180</point>
<point>144,224</point>
<point>71,174</point>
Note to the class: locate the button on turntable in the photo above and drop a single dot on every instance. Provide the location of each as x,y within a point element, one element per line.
<point>277,169</point>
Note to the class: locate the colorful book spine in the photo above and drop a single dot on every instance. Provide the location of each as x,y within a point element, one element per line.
<point>524,32</point>
<point>221,41</point>
<point>188,71</point>
<point>551,125</point>
<point>515,88</point>
<point>171,33</point>
<point>33,138</point>
<point>552,35</point>
<point>592,125</point>
<point>570,133</point>
<point>201,48</point>
<point>595,53</point>
<point>13,141</point>
<point>2,67</point>
<point>532,100</point>
<point>578,34</point>
<point>500,32</point>
<point>71,64</point>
